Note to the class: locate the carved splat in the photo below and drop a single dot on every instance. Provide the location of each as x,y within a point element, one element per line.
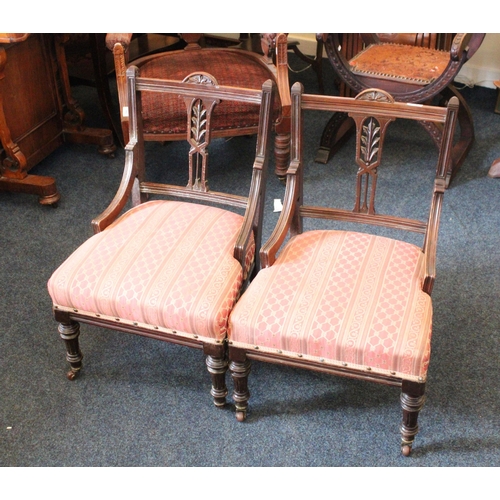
<point>199,114</point>
<point>370,134</point>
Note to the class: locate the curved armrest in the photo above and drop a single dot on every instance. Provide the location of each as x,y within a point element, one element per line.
<point>465,45</point>
<point>121,197</point>
<point>273,244</point>
<point>255,207</point>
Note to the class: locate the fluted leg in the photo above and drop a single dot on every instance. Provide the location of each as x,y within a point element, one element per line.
<point>239,372</point>
<point>217,367</point>
<point>69,332</point>
<point>412,401</point>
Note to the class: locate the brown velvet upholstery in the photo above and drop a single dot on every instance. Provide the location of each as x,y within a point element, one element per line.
<point>232,68</point>
<point>228,66</point>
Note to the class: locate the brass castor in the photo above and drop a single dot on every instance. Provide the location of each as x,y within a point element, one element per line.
<point>72,374</point>
<point>406,450</point>
<point>241,416</point>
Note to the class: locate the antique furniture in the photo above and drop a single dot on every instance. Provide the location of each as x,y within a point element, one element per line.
<point>413,70</point>
<point>350,302</point>
<point>91,63</point>
<point>37,112</point>
<point>230,66</point>
<point>170,269</point>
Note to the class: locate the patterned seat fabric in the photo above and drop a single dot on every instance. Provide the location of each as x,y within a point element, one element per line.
<point>404,63</point>
<point>133,272</point>
<point>234,69</point>
<point>341,298</point>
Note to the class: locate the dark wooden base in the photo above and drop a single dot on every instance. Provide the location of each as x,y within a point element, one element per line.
<point>86,135</point>
<point>44,187</point>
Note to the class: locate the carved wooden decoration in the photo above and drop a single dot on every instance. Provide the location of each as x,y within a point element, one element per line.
<point>199,113</point>
<point>370,133</point>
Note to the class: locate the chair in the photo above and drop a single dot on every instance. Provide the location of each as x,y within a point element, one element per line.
<point>345,301</point>
<point>91,63</point>
<point>169,269</point>
<point>230,66</point>
<point>415,70</point>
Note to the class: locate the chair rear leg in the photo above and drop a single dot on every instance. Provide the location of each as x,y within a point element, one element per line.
<point>239,367</point>
<point>412,401</point>
<point>70,332</point>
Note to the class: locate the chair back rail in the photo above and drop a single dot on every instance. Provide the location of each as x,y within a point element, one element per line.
<point>371,110</point>
<point>201,94</point>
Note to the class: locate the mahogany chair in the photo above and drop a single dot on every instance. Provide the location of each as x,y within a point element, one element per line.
<point>170,268</point>
<point>349,302</point>
<point>230,66</point>
<point>413,70</point>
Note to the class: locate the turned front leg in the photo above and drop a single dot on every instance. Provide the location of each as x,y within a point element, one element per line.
<point>412,401</point>
<point>69,332</point>
<point>217,367</point>
<point>239,367</point>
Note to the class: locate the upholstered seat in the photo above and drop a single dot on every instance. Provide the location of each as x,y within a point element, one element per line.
<point>163,265</point>
<point>341,298</point>
<point>398,62</point>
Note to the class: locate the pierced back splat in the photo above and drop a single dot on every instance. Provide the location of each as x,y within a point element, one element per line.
<point>199,114</point>
<point>370,134</point>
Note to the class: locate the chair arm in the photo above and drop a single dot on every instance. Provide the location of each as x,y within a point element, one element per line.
<point>465,45</point>
<point>121,197</point>
<point>287,217</point>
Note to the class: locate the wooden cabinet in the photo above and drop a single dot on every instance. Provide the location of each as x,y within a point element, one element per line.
<point>37,112</point>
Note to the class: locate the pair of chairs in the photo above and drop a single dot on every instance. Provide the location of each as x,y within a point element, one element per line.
<point>178,268</point>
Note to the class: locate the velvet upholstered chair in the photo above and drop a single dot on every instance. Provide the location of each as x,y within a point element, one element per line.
<point>171,266</point>
<point>347,301</point>
<point>418,69</point>
<point>235,67</point>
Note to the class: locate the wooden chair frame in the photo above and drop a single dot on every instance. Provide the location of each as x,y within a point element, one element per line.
<point>197,90</point>
<point>369,104</point>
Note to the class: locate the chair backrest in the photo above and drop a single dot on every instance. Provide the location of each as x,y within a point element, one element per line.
<point>250,70</point>
<point>372,111</point>
<point>440,41</point>
<point>201,95</point>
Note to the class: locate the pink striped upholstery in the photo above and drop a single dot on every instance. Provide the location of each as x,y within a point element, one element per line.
<point>163,264</point>
<point>341,298</point>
